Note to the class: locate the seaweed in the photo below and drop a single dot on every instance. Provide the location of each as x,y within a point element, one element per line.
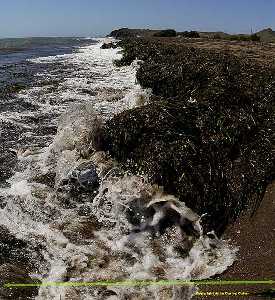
<point>207,134</point>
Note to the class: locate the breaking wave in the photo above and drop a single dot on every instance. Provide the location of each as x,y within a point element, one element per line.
<point>85,218</point>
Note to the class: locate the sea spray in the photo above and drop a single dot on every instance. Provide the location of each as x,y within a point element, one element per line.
<point>123,229</point>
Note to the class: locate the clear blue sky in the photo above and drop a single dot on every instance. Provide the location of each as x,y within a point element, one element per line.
<point>93,17</point>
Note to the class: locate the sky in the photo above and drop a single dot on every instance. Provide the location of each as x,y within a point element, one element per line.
<point>23,18</point>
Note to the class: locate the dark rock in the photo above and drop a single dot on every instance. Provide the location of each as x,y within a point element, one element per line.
<point>3,202</point>
<point>109,46</point>
<point>85,176</point>
<point>84,210</point>
<point>137,212</point>
<point>19,252</point>
<point>11,248</point>
<point>47,179</point>
<point>80,186</point>
<point>11,274</point>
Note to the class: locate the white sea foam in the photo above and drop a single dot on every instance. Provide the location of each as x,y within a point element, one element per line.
<point>74,248</point>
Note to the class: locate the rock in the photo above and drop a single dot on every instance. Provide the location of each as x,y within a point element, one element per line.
<point>81,181</point>
<point>137,212</point>
<point>110,45</point>
<point>47,179</point>
<point>84,211</point>
<point>3,202</point>
<point>79,230</point>
<point>85,176</point>
<point>19,252</point>
<point>15,274</point>
<point>11,248</point>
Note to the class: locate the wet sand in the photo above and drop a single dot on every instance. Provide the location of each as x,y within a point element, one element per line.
<point>255,237</point>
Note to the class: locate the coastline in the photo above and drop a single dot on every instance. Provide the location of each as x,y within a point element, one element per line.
<point>254,234</point>
<point>158,131</point>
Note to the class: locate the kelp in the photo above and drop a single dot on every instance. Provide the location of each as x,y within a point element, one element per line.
<point>207,134</point>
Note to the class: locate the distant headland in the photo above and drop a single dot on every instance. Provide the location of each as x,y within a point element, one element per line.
<point>265,35</point>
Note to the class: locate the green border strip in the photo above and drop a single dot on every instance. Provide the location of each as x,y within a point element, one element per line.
<point>134,283</point>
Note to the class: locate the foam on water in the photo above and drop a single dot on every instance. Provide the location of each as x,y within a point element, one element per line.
<point>121,230</point>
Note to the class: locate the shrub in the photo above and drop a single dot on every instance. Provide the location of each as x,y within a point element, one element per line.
<point>166,33</point>
<point>190,34</point>
<point>255,38</point>
<point>217,36</point>
<point>245,38</point>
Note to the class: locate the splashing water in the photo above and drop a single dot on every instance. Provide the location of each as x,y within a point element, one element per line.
<point>84,218</point>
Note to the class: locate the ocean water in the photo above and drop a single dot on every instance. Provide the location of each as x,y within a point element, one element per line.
<point>113,230</point>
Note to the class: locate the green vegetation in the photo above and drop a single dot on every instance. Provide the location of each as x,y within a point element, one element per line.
<point>166,33</point>
<point>245,38</point>
<point>189,34</point>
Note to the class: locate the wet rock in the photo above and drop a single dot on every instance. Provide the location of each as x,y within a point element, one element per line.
<point>110,45</point>
<point>84,211</point>
<point>88,92</point>
<point>47,179</point>
<point>11,248</point>
<point>3,202</point>
<point>80,185</point>
<point>138,213</point>
<point>80,230</point>
<point>85,176</point>
<point>19,252</point>
<point>17,275</point>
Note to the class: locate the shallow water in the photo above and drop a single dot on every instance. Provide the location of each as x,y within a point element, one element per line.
<point>113,231</point>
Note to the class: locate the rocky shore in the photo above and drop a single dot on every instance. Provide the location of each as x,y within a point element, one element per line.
<point>207,134</point>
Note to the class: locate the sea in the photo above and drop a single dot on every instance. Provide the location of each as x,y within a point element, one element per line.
<point>90,228</point>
